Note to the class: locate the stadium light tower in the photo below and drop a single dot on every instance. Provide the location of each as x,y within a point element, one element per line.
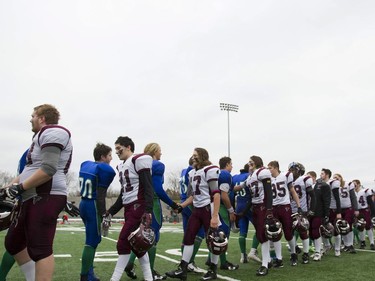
<point>228,107</point>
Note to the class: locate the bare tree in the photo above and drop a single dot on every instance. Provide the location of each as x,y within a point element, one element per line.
<point>72,181</point>
<point>6,178</point>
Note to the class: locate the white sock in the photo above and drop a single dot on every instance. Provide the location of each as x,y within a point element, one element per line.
<point>265,253</point>
<point>318,245</point>
<point>361,235</point>
<point>349,238</point>
<point>337,242</point>
<point>292,245</point>
<point>306,245</point>
<point>277,246</point>
<point>28,270</point>
<point>144,261</point>
<point>122,261</point>
<point>326,242</point>
<point>214,258</point>
<point>370,235</point>
<point>188,252</point>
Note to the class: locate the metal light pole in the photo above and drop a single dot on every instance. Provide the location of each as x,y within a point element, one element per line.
<point>228,107</point>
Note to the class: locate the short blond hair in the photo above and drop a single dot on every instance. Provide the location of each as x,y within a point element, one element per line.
<point>151,149</point>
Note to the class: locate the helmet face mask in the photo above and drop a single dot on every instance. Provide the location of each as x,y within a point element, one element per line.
<point>273,229</point>
<point>217,241</point>
<point>326,231</point>
<point>342,226</point>
<point>360,222</point>
<point>142,239</point>
<point>300,223</point>
<point>8,212</point>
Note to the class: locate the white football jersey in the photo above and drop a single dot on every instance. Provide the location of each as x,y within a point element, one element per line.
<point>300,186</point>
<point>334,184</point>
<point>345,196</point>
<point>129,178</point>
<point>362,195</point>
<point>199,179</point>
<point>254,183</point>
<point>280,188</point>
<point>49,136</point>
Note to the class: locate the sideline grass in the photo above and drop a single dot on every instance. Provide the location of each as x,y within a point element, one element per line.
<point>70,239</point>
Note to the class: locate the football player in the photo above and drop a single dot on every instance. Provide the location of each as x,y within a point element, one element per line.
<point>94,177</point>
<point>204,194</point>
<point>366,209</point>
<point>157,172</point>
<point>226,211</point>
<point>8,261</point>
<point>303,185</point>
<point>349,210</point>
<point>42,186</point>
<point>282,190</point>
<point>244,214</point>
<point>136,197</point>
<point>259,184</point>
<point>320,216</point>
<point>186,213</point>
<point>335,210</point>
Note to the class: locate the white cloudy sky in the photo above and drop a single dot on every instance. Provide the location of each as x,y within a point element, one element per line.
<point>302,73</point>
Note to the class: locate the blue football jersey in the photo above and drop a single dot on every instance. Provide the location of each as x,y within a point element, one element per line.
<point>93,175</point>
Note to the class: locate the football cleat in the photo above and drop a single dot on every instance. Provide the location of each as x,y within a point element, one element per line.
<point>243,258</point>
<point>262,271</point>
<point>157,276</point>
<point>254,257</point>
<point>180,272</point>
<point>229,266</point>
<point>130,270</point>
<point>278,263</point>
<point>192,267</point>
<point>211,273</point>
<point>317,257</point>
<point>363,245</point>
<point>372,247</point>
<point>293,259</point>
<point>305,258</point>
<point>337,253</point>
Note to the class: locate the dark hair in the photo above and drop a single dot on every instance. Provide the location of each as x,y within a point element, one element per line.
<point>101,150</point>
<point>126,141</point>
<point>191,161</point>
<point>50,113</point>
<point>203,158</point>
<point>258,162</point>
<point>224,161</point>
<point>274,164</point>
<point>327,172</point>
<point>245,168</point>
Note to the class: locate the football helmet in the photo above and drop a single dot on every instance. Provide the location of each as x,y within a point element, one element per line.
<point>8,212</point>
<point>217,241</point>
<point>142,239</point>
<point>298,167</point>
<point>273,229</point>
<point>300,223</point>
<point>373,221</point>
<point>326,231</point>
<point>342,226</point>
<point>361,222</point>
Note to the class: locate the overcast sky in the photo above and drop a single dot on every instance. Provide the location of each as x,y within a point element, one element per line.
<point>302,73</point>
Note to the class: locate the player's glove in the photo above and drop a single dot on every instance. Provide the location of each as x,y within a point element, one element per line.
<point>300,211</point>
<point>106,224</point>
<point>71,209</point>
<point>14,190</point>
<point>176,207</point>
<point>147,219</point>
<point>310,214</point>
<point>269,214</point>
